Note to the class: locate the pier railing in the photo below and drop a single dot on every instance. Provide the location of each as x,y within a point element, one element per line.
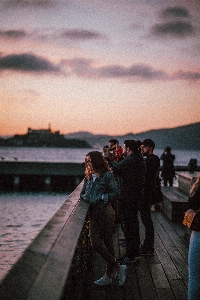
<point>56,264</point>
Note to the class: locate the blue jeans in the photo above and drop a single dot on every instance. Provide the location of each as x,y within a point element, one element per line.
<point>194,266</point>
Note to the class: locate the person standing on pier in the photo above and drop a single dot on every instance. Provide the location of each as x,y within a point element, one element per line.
<point>100,190</point>
<point>152,164</point>
<point>131,170</point>
<point>113,157</point>
<point>168,171</point>
<point>194,245</point>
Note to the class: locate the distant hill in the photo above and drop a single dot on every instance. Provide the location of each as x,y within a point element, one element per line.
<point>180,138</point>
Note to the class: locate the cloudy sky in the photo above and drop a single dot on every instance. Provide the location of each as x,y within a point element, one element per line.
<point>107,66</point>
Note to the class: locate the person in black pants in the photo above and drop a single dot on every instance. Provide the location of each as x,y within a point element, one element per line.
<point>168,171</point>
<point>152,164</point>
<point>131,172</point>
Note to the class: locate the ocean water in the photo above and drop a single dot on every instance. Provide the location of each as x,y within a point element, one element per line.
<point>23,215</point>
<point>76,155</point>
<point>43,154</point>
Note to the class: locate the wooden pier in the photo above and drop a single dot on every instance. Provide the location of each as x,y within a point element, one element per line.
<point>40,176</point>
<point>163,276</point>
<point>60,264</point>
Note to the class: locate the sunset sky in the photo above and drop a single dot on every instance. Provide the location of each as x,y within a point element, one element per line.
<point>107,67</point>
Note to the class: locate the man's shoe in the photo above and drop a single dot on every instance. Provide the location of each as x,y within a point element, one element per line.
<point>121,275</point>
<point>149,252</point>
<point>105,280</point>
<point>126,260</point>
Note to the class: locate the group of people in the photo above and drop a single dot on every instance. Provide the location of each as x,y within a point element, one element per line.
<point>127,177</point>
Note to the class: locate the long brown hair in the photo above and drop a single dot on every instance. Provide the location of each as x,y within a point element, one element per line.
<point>195,186</point>
<point>97,164</point>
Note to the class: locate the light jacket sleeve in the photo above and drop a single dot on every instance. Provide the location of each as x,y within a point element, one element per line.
<point>112,192</point>
<point>85,192</point>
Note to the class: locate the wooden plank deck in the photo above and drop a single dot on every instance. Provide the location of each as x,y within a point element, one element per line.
<point>163,276</point>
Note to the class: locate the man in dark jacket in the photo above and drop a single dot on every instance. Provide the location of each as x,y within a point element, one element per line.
<point>152,164</point>
<point>131,171</point>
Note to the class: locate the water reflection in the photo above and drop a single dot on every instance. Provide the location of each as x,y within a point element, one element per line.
<point>23,215</point>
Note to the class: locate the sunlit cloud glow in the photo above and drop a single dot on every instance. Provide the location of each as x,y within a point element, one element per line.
<point>101,66</point>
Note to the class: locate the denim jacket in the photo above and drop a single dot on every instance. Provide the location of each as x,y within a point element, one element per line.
<point>101,192</point>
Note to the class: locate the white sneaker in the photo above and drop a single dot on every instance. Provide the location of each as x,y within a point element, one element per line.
<point>122,274</point>
<point>105,280</point>
<point>152,208</point>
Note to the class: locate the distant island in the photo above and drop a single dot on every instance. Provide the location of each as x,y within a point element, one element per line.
<point>180,138</point>
<point>43,138</point>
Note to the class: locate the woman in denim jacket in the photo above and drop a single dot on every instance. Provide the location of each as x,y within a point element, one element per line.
<point>194,246</point>
<point>100,190</point>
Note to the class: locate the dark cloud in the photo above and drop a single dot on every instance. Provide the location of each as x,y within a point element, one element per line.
<point>12,34</point>
<point>188,75</point>
<point>176,29</point>
<point>81,34</point>
<point>176,11</point>
<point>135,71</point>
<point>27,63</point>
<point>76,34</point>
<point>84,68</point>
<point>29,3</point>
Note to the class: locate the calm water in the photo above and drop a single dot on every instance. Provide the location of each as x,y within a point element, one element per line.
<point>44,154</point>
<point>77,155</point>
<point>23,215</point>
